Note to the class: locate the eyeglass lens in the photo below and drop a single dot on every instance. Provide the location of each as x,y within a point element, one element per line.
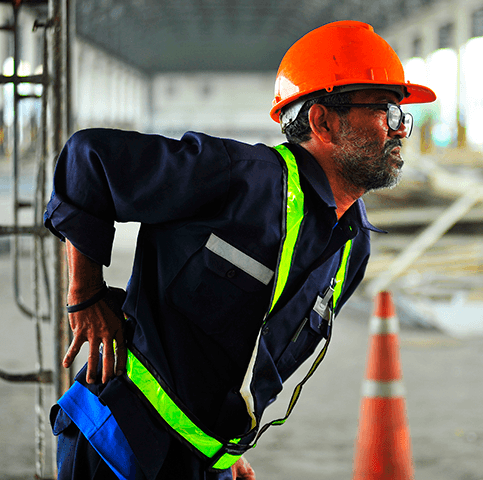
<point>395,117</point>
<point>408,123</point>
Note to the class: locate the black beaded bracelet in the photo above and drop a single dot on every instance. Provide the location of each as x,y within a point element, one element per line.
<point>83,305</point>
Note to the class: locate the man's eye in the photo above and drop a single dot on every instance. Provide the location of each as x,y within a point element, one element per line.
<point>379,109</point>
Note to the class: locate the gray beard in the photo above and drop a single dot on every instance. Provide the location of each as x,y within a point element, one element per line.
<point>362,168</point>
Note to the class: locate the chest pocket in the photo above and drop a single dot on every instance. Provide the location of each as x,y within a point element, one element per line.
<point>220,287</point>
<point>312,329</point>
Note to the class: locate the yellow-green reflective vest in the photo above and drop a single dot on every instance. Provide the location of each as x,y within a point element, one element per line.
<point>219,453</point>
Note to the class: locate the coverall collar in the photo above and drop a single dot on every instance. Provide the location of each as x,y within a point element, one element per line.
<point>315,175</point>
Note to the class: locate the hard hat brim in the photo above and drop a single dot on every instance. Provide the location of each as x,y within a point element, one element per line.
<point>418,94</point>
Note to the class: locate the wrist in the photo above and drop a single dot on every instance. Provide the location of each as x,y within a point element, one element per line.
<point>85,276</point>
<point>77,307</point>
<point>80,292</point>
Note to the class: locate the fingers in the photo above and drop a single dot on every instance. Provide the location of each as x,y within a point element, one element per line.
<point>107,360</point>
<point>92,361</point>
<point>98,324</point>
<point>74,349</point>
<point>242,470</point>
<point>113,360</point>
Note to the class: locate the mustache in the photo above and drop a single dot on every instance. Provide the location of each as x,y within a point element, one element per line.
<point>390,144</point>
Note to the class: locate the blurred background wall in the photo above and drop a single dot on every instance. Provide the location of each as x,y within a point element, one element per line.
<point>440,45</point>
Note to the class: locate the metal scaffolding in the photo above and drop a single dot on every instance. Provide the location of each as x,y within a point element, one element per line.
<point>48,277</point>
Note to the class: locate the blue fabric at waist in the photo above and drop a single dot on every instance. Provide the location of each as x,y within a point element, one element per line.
<point>98,425</point>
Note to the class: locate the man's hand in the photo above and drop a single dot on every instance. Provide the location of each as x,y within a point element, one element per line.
<point>98,325</point>
<point>242,470</point>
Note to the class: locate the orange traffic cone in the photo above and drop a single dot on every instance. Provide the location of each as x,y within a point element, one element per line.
<point>383,445</point>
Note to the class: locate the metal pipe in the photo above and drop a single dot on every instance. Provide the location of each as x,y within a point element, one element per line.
<point>45,376</point>
<point>39,405</point>
<point>14,239</point>
<point>40,194</point>
<point>55,285</point>
<point>15,79</point>
<point>63,378</point>
<point>69,33</point>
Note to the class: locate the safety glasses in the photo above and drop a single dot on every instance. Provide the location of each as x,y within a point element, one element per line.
<point>395,116</point>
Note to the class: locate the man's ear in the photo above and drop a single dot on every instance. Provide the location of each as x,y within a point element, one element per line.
<point>321,122</point>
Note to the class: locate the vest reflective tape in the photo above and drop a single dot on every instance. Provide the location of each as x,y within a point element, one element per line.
<point>294,214</point>
<point>98,425</point>
<point>223,454</point>
<point>174,416</point>
<point>342,272</point>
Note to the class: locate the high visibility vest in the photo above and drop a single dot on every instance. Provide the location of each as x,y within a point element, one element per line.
<point>220,453</point>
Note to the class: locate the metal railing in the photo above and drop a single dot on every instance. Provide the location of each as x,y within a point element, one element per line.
<point>48,278</point>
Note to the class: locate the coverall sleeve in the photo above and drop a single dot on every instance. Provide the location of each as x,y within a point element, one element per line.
<point>105,175</point>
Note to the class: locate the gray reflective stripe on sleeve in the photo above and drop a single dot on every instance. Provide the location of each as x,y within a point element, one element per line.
<point>374,388</point>
<point>239,259</point>
<point>378,325</point>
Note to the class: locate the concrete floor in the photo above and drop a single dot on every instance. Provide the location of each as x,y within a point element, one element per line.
<point>443,377</point>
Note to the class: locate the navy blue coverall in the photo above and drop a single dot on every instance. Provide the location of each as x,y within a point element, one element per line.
<point>191,313</point>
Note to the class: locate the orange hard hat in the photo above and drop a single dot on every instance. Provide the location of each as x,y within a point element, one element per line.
<point>345,55</point>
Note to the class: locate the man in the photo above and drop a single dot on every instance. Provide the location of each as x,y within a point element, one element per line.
<point>244,256</point>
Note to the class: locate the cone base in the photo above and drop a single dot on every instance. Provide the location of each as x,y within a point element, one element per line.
<point>383,445</point>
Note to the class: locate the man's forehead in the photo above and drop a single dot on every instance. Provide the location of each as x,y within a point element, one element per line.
<point>374,96</point>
